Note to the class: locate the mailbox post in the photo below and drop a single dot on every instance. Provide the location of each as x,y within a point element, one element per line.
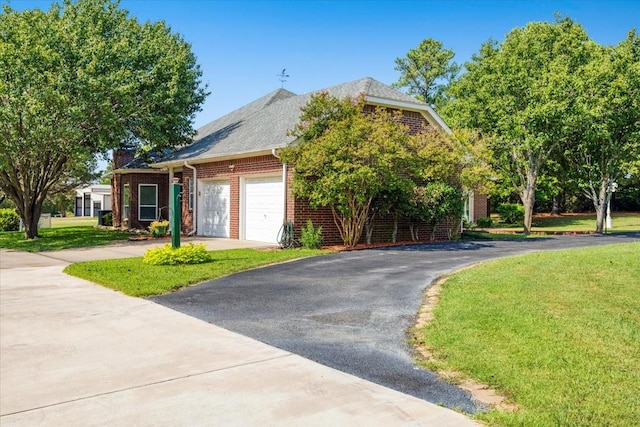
<point>175,207</point>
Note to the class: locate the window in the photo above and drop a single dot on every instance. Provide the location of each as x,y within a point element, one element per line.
<point>125,202</point>
<point>190,193</point>
<point>148,198</point>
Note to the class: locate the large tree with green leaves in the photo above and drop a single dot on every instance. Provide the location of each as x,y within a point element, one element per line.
<point>446,168</point>
<point>521,94</point>
<point>344,156</point>
<point>426,70</point>
<point>606,142</point>
<point>80,79</point>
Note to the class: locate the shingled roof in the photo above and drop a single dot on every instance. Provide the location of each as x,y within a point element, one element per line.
<point>262,125</point>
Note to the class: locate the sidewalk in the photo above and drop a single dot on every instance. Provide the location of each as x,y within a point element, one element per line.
<point>74,353</point>
<point>125,249</point>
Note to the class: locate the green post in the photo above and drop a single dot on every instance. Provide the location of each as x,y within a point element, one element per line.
<point>175,207</point>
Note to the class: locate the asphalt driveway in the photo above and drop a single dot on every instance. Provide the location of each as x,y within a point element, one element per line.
<point>352,310</point>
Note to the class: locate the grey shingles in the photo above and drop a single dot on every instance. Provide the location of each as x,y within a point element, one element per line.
<point>263,124</point>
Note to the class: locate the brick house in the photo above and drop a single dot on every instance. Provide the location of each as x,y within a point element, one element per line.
<point>234,184</point>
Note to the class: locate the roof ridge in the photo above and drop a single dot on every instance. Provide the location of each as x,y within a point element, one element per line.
<point>278,95</point>
<point>368,81</point>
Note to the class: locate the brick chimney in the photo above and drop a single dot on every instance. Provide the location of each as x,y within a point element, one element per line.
<point>122,157</point>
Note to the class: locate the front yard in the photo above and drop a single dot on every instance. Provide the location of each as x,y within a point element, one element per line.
<point>132,277</point>
<point>556,332</point>
<point>61,237</point>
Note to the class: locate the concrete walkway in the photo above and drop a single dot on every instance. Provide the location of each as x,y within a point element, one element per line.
<point>74,353</point>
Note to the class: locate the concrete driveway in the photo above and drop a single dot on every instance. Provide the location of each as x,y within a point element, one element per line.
<point>74,353</point>
<point>351,310</point>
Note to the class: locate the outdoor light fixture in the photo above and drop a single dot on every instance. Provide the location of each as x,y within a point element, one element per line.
<point>232,167</point>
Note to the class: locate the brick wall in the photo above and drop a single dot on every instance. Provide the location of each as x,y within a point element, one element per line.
<point>413,119</point>
<point>134,180</point>
<point>122,157</point>
<point>382,226</point>
<point>230,170</point>
<point>481,207</point>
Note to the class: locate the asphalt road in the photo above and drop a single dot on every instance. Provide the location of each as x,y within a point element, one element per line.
<point>352,310</point>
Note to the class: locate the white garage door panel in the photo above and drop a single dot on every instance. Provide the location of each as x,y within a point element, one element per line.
<point>264,208</point>
<point>213,209</point>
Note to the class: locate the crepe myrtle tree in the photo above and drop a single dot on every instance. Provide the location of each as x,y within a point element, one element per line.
<point>446,168</point>
<point>344,157</point>
<point>79,80</point>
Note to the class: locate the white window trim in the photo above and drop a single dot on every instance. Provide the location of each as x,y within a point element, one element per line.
<point>191,195</point>
<point>140,205</point>
<point>126,208</point>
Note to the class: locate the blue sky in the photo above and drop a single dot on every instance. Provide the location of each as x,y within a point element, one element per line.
<point>243,45</point>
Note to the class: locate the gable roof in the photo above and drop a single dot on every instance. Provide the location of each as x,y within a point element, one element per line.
<point>262,125</point>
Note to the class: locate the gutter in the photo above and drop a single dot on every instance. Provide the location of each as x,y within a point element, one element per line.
<point>194,217</point>
<point>274,152</point>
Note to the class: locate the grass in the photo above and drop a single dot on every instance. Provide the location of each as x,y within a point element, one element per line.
<point>581,222</point>
<point>485,235</point>
<point>557,332</point>
<point>73,221</point>
<point>621,221</point>
<point>132,277</point>
<point>53,239</point>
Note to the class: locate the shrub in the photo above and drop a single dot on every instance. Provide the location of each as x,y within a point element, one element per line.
<point>310,237</point>
<point>511,213</point>
<point>159,228</point>
<point>9,220</point>
<point>107,219</point>
<point>167,255</point>
<point>484,222</point>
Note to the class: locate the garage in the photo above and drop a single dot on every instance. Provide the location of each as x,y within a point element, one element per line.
<point>263,208</point>
<point>213,208</point>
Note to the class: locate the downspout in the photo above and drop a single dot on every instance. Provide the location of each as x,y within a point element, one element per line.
<point>284,184</point>
<point>194,217</point>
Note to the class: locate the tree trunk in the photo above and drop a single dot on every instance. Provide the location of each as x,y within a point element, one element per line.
<point>31,226</point>
<point>528,197</point>
<point>394,233</point>
<point>369,228</point>
<point>600,201</point>
<point>555,210</point>
<point>30,213</point>
<point>413,229</point>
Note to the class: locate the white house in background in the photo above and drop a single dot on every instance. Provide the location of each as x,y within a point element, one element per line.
<point>92,199</point>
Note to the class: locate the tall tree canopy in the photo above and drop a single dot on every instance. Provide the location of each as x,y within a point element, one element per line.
<point>605,146</point>
<point>521,94</point>
<point>80,79</point>
<point>425,70</point>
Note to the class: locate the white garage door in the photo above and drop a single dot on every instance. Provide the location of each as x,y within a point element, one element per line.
<point>213,208</point>
<point>263,208</point>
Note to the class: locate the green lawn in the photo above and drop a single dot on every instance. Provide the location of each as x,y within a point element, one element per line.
<point>621,222</point>
<point>53,239</point>
<point>132,277</point>
<point>557,332</point>
<point>73,221</point>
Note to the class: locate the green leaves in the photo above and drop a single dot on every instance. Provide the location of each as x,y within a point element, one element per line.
<point>345,156</point>
<point>80,80</point>
<point>424,69</point>
<point>521,95</point>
